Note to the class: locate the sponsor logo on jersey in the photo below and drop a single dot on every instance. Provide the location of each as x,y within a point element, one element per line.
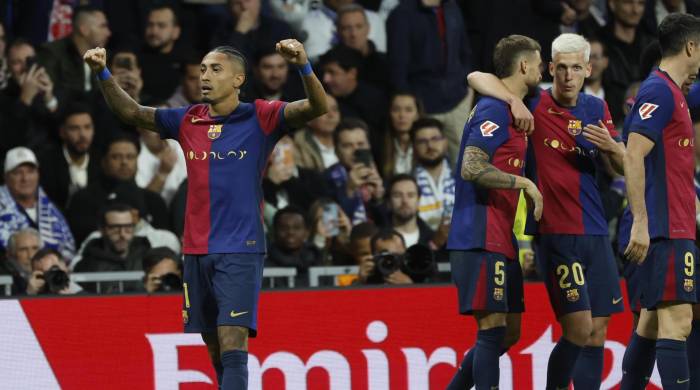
<point>204,155</point>
<point>646,109</point>
<point>574,127</point>
<point>214,131</point>
<point>515,162</point>
<point>686,142</point>
<point>487,128</point>
<point>552,111</point>
<point>559,145</point>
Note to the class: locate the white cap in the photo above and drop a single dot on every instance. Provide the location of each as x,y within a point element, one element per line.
<point>18,156</point>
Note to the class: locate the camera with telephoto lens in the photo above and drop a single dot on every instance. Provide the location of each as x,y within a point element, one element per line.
<point>418,263</point>
<point>170,282</point>
<point>56,280</point>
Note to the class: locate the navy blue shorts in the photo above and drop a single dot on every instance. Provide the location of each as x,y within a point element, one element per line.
<point>668,273</point>
<point>222,289</point>
<point>580,273</point>
<point>487,281</point>
<point>633,282</point>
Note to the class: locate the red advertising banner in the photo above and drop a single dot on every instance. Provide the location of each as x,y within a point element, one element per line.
<point>366,339</point>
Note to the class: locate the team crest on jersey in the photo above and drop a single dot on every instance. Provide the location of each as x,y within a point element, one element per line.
<point>688,285</point>
<point>487,128</point>
<point>214,132</point>
<point>575,127</point>
<point>498,294</point>
<point>572,295</point>
<point>646,109</point>
<point>185,317</point>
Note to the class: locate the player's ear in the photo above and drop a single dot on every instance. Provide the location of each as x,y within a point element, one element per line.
<point>551,68</point>
<point>238,80</point>
<point>588,70</point>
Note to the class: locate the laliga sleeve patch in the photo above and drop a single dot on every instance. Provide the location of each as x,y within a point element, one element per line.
<point>646,109</point>
<point>487,128</point>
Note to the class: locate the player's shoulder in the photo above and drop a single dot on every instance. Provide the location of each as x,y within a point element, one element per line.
<point>592,103</point>
<point>654,86</point>
<point>488,105</point>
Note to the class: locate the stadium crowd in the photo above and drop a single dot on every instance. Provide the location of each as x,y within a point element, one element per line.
<point>368,183</point>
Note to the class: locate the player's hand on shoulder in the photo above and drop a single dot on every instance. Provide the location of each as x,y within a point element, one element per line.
<point>522,117</point>
<point>96,59</point>
<point>292,51</point>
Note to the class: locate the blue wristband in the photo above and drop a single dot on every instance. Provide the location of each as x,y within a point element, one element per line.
<point>104,74</point>
<point>306,69</point>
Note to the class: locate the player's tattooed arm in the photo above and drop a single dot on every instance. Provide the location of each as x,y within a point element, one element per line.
<point>476,168</point>
<point>126,108</point>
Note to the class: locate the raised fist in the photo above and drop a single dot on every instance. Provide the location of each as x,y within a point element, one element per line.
<point>96,59</point>
<point>292,51</point>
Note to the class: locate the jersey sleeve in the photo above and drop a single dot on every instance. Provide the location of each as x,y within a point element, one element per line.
<point>608,122</point>
<point>168,121</point>
<point>488,128</point>
<point>693,97</point>
<point>271,116</point>
<point>652,111</point>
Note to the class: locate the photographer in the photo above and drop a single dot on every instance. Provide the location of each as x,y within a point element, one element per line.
<point>50,275</point>
<point>388,249</point>
<point>162,270</point>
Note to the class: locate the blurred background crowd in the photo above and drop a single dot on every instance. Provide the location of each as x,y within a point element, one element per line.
<point>369,184</point>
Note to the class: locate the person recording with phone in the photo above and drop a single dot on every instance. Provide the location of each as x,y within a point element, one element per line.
<point>50,275</point>
<point>330,232</point>
<point>355,181</point>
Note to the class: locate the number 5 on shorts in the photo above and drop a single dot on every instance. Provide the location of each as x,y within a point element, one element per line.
<point>499,273</point>
<point>576,270</point>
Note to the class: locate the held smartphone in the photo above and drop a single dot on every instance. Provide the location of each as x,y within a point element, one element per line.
<point>124,62</point>
<point>330,218</point>
<point>363,156</point>
<point>28,62</point>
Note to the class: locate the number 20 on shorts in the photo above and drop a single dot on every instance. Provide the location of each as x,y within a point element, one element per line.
<point>575,270</point>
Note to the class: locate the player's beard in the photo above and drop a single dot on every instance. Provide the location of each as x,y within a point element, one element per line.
<point>402,216</point>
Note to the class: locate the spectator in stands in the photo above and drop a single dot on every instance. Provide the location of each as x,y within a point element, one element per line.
<point>355,98</point>
<point>397,149</point>
<point>72,165</point>
<point>190,89</point>
<point>624,40</point>
<point>23,203</point>
<point>657,10</point>
<point>63,58</point>
<point>155,237</point>
<point>292,12</point>
<point>271,78</point>
<point>118,173</point>
<point>21,247</point>
<point>4,69</point>
<point>118,249</point>
<point>385,242</point>
<point>289,247</point>
<point>50,275</point>
<point>161,59</point>
<point>287,184</point>
<point>162,270</point>
<point>250,30</point>
<point>599,63</point>
<point>353,30</point>
<point>27,102</point>
<point>330,232</point>
<point>355,182</point>
<point>429,54</point>
<point>361,250</point>
<point>589,19</point>
<point>434,177</point>
<point>161,165</point>
<point>403,201</point>
<point>321,33</point>
<point>315,142</point>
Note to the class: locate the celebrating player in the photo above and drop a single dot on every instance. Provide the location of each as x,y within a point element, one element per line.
<point>482,254</point>
<point>574,253</point>
<point>226,144</point>
<point>659,170</point>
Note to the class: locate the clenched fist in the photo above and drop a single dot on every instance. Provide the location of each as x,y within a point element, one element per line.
<point>96,59</point>
<point>292,51</point>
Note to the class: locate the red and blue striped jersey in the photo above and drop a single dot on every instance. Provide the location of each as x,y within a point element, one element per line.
<point>226,157</point>
<point>483,218</point>
<point>562,162</point>
<point>661,114</point>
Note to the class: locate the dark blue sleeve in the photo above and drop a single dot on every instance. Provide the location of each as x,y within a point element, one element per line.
<point>652,111</point>
<point>488,128</point>
<point>168,121</point>
<point>693,97</point>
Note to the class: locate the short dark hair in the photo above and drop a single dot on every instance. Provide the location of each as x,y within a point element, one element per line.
<point>233,54</point>
<point>650,58</point>
<point>45,251</point>
<point>347,124</point>
<point>74,108</point>
<point>112,207</point>
<point>509,50</point>
<point>155,255</point>
<point>162,6</point>
<point>385,235</point>
<point>598,40</point>
<point>350,8</point>
<point>346,57</point>
<point>291,210</point>
<point>425,122</point>
<point>80,11</point>
<point>18,42</point>
<point>363,230</point>
<point>676,30</point>
<point>262,51</point>
<point>399,178</point>
<point>123,137</point>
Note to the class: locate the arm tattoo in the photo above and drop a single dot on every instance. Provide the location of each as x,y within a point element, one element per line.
<point>126,108</point>
<point>476,168</point>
